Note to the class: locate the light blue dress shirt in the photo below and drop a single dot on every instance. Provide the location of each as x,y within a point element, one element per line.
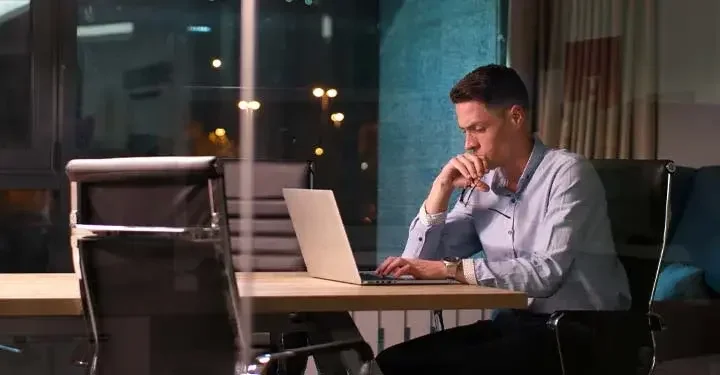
<point>550,239</point>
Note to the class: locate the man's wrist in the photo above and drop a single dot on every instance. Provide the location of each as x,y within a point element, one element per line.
<point>442,186</point>
<point>459,275</point>
<point>451,267</point>
<point>439,197</point>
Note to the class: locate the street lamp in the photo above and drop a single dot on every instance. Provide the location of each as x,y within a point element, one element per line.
<point>248,108</point>
<point>252,105</point>
<point>325,95</point>
<point>318,92</point>
<point>337,119</point>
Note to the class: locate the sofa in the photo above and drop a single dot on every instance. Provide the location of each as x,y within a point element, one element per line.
<point>687,295</point>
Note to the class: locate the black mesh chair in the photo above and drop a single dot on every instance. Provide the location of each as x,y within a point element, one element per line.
<point>275,246</point>
<point>154,244</point>
<point>622,342</point>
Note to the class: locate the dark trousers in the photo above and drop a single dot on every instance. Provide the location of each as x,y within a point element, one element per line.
<point>514,342</point>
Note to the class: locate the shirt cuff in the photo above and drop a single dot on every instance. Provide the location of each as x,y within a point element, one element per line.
<point>431,219</point>
<point>468,266</point>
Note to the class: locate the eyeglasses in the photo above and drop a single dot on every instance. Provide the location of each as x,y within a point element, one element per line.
<point>466,193</point>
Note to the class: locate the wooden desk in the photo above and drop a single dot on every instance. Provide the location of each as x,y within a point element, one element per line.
<point>296,291</point>
<point>326,302</point>
<point>58,295</point>
<point>46,294</point>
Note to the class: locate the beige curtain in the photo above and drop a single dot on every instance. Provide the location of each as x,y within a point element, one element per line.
<point>597,77</point>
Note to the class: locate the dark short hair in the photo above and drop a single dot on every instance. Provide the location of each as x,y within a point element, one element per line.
<point>494,85</point>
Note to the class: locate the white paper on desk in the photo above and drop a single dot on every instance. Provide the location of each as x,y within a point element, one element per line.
<point>530,300</point>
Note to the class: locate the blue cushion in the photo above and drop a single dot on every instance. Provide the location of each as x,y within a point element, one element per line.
<point>697,239</point>
<point>680,281</point>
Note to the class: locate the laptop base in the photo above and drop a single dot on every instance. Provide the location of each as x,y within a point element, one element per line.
<point>371,278</point>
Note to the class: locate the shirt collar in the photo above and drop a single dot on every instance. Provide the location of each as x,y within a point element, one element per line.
<point>499,181</point>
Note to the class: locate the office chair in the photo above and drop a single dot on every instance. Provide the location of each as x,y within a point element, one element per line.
<point>156,246</point>
<point>275,246</point>
<point>623,342</point>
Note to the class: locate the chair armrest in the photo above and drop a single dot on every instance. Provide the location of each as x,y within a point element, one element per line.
<point>693,328</point>
<point>605,342</point>
<point>361,347</point>
<point>10,349</point>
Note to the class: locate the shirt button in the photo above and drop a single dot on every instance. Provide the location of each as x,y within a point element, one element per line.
<point>512,200</point>
<point>419,238</point>
<point>510,232</point>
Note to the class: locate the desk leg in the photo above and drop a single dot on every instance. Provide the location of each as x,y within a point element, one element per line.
<point>334,326</point>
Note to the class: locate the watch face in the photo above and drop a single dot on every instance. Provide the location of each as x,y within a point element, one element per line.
<point>452,259</point>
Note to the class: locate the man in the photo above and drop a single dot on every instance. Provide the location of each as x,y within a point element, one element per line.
<point>539,216</point>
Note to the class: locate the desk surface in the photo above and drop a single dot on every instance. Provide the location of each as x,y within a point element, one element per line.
<point>273,292</point>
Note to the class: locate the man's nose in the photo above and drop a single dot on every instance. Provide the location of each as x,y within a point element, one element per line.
<point>470,143</point>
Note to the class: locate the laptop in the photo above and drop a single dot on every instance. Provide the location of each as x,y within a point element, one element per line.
<point>324,243</point>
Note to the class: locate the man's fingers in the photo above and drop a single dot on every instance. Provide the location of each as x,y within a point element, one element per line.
<point>485,164</point>
<point>381,266</point>
<point>477,163</point>
<point>460,167</point>
<point>469,165</point>
<point>394,264</point>
<point>403,270</point>
<point>384,265</point>
<point>482,186</point>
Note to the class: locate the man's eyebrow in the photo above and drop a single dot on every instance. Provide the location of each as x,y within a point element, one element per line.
<point>472,124</point>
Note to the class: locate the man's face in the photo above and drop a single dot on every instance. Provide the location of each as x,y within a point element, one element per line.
<point>488,133</point>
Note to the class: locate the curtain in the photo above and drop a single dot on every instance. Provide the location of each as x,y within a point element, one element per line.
<point>597,77</point>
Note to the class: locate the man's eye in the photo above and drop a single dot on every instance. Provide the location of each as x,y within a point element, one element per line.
<point>474,129</point>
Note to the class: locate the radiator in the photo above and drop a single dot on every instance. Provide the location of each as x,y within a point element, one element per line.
<point>382,329</point>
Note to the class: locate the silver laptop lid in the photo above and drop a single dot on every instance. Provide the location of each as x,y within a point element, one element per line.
<point>320,232</point>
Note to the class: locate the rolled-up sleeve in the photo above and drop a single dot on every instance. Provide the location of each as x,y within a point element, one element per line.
<point>440,235</point>
<point>576,198</point>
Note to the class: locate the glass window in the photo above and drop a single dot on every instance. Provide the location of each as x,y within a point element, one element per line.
<point>15,83</point>
<point>28,77</point>
<point>30,241</point>
<point>31,234</point>
<point>159,79</point>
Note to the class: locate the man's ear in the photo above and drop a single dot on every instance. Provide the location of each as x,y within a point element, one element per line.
<point>516,115</point>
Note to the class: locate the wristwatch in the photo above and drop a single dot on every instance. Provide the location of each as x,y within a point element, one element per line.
<point>452,266</point>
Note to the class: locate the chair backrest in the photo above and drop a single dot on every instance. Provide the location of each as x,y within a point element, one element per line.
<point>144,192</point>
<point>158,249</point>
<point>638,201</point>
<point>275,246</point>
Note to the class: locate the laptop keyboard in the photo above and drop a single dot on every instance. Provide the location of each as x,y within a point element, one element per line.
<point>369,275</point>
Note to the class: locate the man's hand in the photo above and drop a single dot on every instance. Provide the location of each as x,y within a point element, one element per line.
<point>417,268</point>
<point>464,170</point>
<point>460,172</point>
